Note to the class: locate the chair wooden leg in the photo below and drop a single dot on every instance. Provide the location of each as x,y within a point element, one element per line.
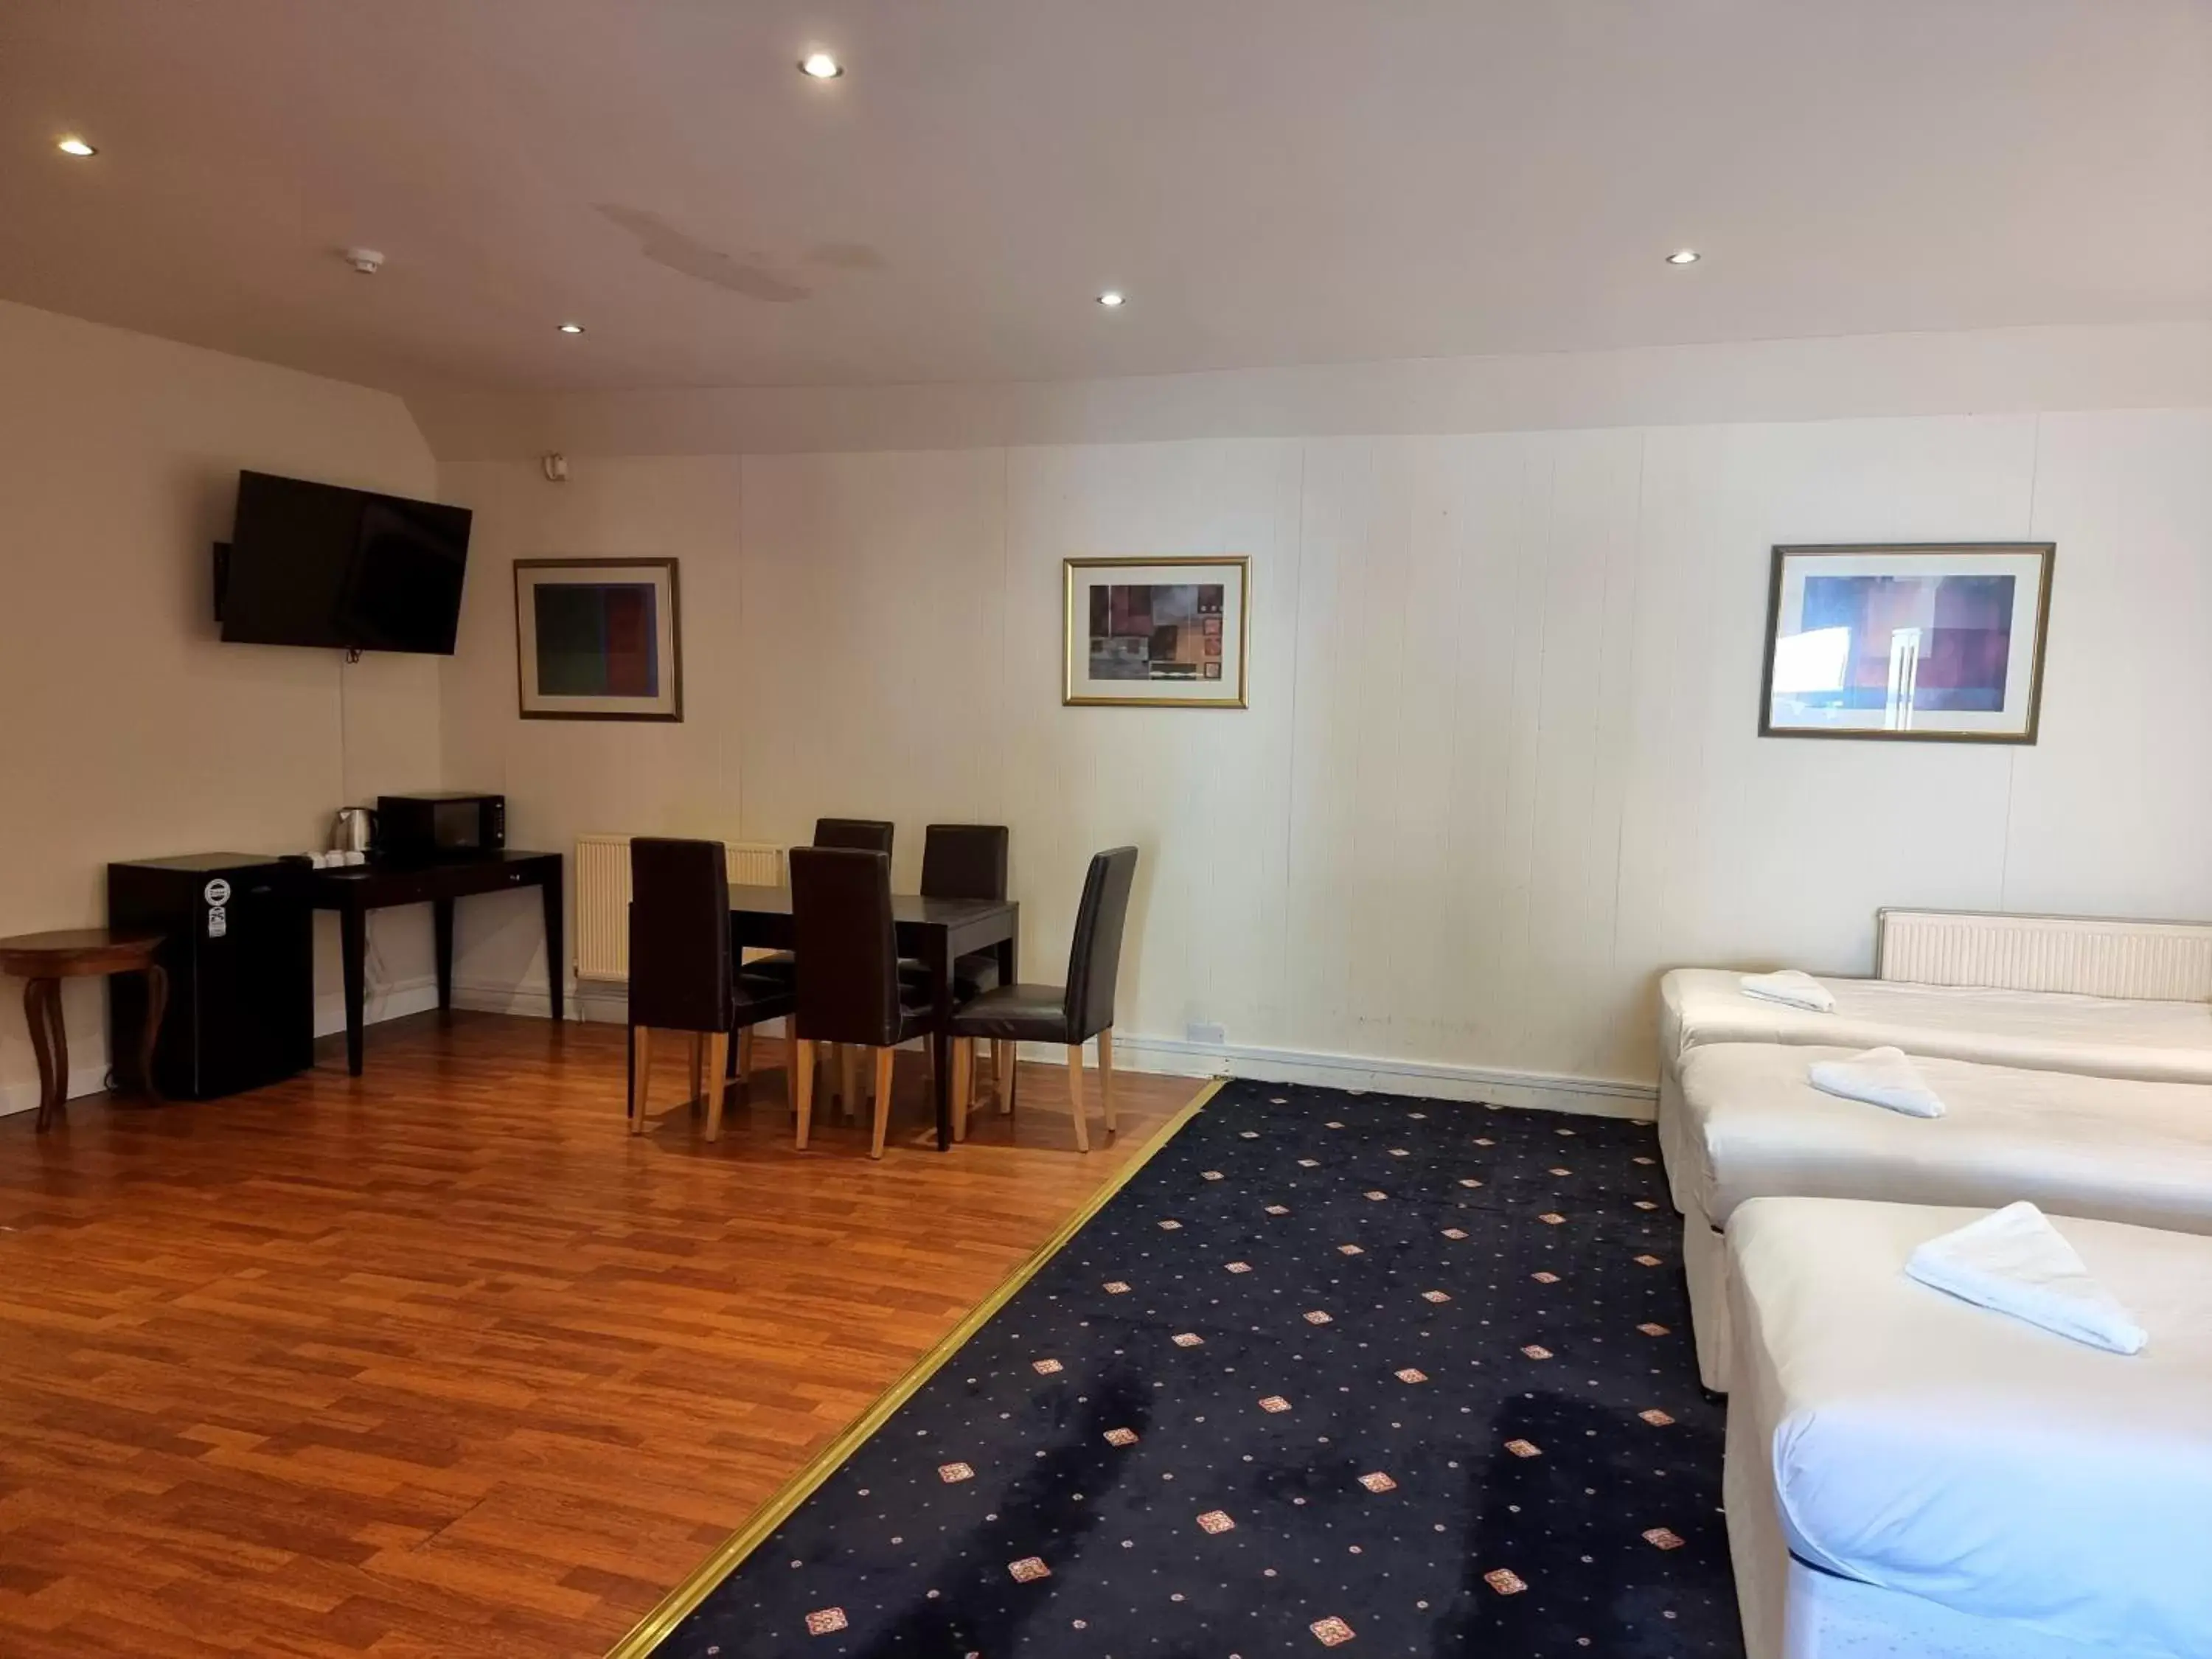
<point>698,1088</point>
<point>848,1065</point>
<point>718,1056</point>
<point>802,1070</point>
<point>1004,1058</point>
<point>963,1073</point>
<point>884,1058</point>
<point>744,1054</point>
<point>1106,1076</point>
<point>1075,1096</point>
<point>642,1035</point>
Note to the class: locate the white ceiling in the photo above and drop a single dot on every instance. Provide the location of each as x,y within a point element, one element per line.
<point>1273,181</point>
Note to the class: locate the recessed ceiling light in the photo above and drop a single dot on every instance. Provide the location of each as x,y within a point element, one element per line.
<point>820,65</point>
<point>74,145</point>
<point>572,328</point>
<point>1686,256</point>
<point>1113,297</point>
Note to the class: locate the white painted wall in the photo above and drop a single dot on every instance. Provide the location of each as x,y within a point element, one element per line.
<point>1501,766</point>
<point>128,730</point>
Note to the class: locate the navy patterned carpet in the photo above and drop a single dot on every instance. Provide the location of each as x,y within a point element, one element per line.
<point>1408,1377</point>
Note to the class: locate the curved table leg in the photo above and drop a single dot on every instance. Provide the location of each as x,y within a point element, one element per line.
<point>157,1003</point>
<point>50,1043</point>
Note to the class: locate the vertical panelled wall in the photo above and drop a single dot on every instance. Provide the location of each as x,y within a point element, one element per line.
<point>1501,765</point>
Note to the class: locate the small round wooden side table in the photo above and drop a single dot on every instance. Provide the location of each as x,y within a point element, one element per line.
<point>45,960</point>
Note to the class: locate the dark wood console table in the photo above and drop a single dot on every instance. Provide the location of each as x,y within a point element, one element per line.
<point>356,890</point>
<point>45,960</point>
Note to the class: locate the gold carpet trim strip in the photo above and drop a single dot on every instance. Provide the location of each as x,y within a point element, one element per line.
<point>648,1632</point>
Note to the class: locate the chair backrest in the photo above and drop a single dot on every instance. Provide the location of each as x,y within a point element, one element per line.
<point>680,967</point>
<point>1094,959</point>
<point>964,860</point>
<point>848,946</point>
<point>859,834</point>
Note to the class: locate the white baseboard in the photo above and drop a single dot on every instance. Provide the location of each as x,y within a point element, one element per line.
<point>407,996</point>
<point>1550,1092</point>
<point>598,1002</point>
<point>607,1001</point>
<point>24,1097</point>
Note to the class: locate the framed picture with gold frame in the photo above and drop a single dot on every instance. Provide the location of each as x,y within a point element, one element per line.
<point>1146,633</point>
<point>1939,641</point>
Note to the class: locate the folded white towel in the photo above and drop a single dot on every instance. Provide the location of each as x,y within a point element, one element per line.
<point>2013,1261</point>
<point>1791,986</point>
<point>1880,1077</point>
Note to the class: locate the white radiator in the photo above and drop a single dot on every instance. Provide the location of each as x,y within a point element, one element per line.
<point>602,896</point>
<point>2090,956</point>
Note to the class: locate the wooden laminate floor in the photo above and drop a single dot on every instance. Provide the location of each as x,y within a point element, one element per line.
<point>439,1362</point>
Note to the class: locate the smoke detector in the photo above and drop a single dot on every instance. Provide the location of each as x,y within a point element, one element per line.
<point>366,260</point>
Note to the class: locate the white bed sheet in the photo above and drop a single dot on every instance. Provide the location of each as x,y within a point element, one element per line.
<point>1753,1126</point>
<point>1952,1455</point>
<point>2036,1030</point>
<point>1792,1611</point>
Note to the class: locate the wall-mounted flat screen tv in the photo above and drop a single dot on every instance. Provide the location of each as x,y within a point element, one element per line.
<point>315,564</point>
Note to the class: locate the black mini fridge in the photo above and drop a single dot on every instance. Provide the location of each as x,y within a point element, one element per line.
<point>239,953</point>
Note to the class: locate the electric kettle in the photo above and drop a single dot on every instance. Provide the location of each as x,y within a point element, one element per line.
<point>354,829</point>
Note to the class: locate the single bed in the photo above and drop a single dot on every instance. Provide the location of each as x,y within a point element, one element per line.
<point>2159,1042</point>
<point>2140,1038</point>
<point>1750,1125</point>
<point>1907,1474</point>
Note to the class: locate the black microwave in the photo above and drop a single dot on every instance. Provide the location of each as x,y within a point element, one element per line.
<point>450,825</point>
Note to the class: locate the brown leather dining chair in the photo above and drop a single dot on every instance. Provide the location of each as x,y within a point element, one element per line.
<point>965,861</point>
<point>859,835</point>
<point>1072,1013</point>
<point>683,974</point>
<point>862,835</point>
<point>849,990</point>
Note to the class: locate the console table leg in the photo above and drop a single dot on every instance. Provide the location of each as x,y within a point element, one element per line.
<point>556,961</point>
<point>441,918</point>
<point>353,947</point>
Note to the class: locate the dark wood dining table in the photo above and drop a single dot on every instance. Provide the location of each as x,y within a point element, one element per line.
<point>936,931</point>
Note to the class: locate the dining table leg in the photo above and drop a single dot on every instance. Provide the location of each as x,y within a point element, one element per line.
<point>1009,949</point>
<point>940,1035</point>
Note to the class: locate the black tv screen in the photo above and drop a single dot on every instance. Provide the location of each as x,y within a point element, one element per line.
<point>315,564</point>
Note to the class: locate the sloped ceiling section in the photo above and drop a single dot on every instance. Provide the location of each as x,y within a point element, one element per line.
<point>1977,372</point>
